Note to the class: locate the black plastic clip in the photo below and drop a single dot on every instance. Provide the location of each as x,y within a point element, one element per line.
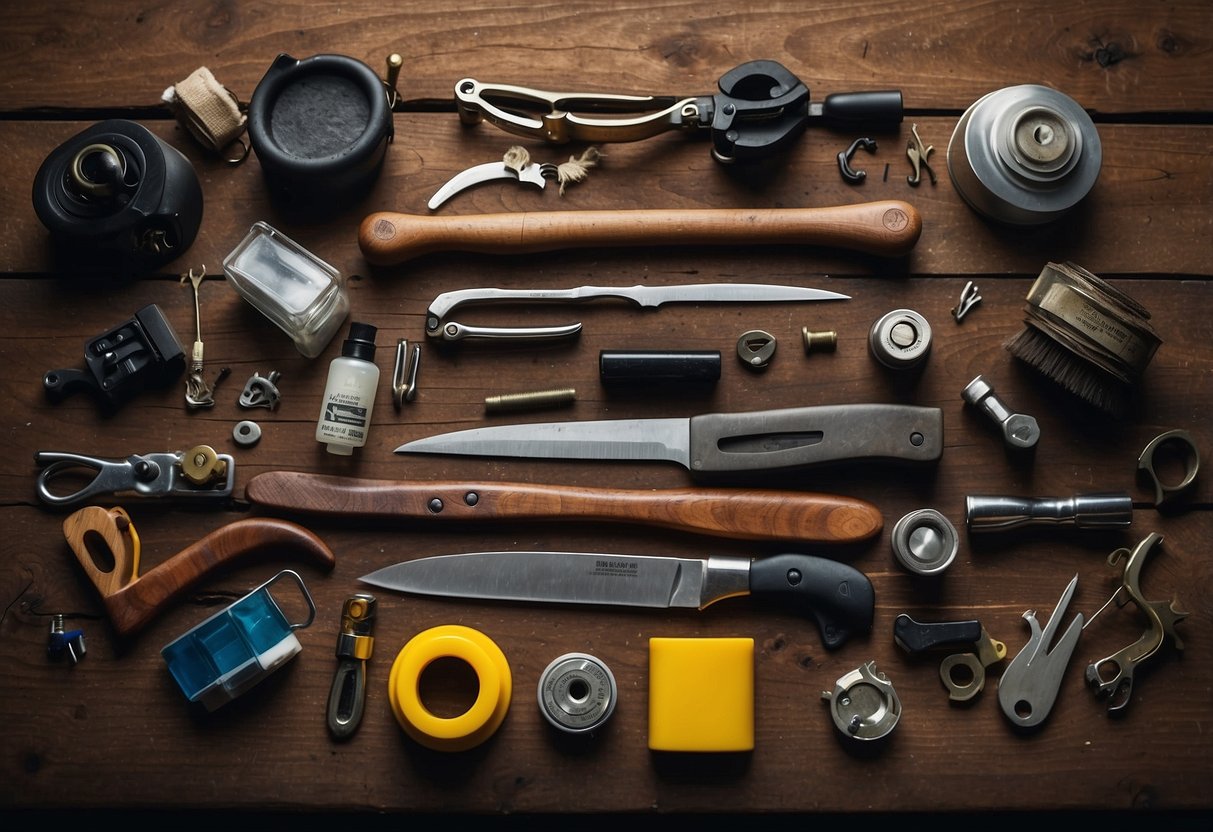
<point>140,353</point>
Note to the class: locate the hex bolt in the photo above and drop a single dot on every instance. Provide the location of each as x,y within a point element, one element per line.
<point>826,341</point>
<point>1018,430</point>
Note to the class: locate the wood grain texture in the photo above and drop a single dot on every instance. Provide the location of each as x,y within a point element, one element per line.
<point>889,228</point>
<point>1114,57</point>
<point>114,731</point>
<point>742,514</point>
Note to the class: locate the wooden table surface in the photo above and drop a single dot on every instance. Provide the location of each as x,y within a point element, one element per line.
<point>115,732</point>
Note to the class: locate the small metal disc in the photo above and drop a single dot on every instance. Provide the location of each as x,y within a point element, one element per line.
<point>246,433</point>
<point>577,693</point>
<point>925,542</point>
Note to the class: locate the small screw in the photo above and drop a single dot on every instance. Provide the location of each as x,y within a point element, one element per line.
<point>435,505</point>
<point>471,498</point>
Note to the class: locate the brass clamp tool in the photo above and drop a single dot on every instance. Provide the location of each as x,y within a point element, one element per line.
<point>197,473</point>
<point>1161,615</point>
<point>962,673</point>
<point>760,109</point>
<point>347,696</point>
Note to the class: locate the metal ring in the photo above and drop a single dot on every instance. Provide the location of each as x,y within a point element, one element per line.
<point>756,348</point>
<point>1164,494</point>
<point>925,542</point>
<point>246,433</point>
<point>956,691</point>
<point>577,693</point>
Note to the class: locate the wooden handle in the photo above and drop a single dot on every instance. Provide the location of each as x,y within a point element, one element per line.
<point>889,228</point>
<point>131,605</point>
<point>740,514</point>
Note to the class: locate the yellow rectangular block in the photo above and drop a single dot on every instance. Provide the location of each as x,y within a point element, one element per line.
<point>701,694</point>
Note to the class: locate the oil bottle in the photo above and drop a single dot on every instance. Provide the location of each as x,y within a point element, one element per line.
<point>349,394</point>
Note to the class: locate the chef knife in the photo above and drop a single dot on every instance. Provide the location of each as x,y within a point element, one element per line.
<point>839,597</point>
<point>765,440</point>
<point>743,514</point>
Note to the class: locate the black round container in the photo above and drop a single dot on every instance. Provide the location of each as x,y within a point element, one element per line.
<point>320,128</point>
<point>117,196</point>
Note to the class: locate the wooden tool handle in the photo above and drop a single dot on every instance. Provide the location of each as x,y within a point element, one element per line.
<point>889,228</point>
<point>740,514</point>
<point>133,605</point>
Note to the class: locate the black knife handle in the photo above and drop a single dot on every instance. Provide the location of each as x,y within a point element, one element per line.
<point>917,637</point>
<point>799,437</point>
<point>838,596</point>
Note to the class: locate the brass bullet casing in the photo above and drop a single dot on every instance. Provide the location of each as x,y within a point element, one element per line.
<point>825,341</point>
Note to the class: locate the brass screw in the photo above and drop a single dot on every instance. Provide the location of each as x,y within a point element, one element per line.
<point>530,401</point>
<point>825,341</point>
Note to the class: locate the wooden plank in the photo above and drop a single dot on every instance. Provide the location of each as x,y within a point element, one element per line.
<point>1148,204</point>
<point>1115,57</point>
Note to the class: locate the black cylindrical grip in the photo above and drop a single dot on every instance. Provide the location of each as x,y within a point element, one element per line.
<point>658,366</point>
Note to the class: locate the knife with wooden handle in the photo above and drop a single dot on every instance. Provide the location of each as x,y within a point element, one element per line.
<point>739,514</point>
<point>888,228</point>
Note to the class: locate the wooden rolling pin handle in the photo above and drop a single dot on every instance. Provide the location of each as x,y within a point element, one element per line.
<point>739,514</point>
<point>888,228</point>
<point>134,605</point>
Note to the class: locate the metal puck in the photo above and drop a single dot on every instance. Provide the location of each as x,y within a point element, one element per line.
<point>577,693</point>
<point>925,542</point>
<point>246,433</point>
<point>900,339</point>
<point>1024,155</point>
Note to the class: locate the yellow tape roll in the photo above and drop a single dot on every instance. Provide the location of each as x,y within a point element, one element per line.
<point>486,714</point>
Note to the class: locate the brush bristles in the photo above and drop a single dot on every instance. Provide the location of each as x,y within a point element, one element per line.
<point>1076,374</point>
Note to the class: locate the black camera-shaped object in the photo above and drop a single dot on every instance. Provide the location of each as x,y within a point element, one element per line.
<point>118,197</point>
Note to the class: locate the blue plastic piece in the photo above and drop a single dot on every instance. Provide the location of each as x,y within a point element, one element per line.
<point>233,650</point>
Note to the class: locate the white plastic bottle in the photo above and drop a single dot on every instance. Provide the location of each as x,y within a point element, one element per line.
<point>349,394</point>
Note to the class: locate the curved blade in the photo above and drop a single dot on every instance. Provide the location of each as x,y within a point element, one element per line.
<point>487,172</point>
<point>623,439</point>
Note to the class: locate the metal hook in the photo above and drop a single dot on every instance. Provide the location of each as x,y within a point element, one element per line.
<point>969,298</point>
<point>844,159</point>
<point>404,377</point>
<point>918,154</point>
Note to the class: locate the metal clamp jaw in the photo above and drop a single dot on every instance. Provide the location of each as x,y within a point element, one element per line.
<point>196,473</point>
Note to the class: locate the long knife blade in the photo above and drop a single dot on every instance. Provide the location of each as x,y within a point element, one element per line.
<point>437,322</point>
<point>838,596</point>
<point>768,440</point>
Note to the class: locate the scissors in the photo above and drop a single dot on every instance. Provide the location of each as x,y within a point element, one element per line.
<point>133,600</point>
<point>198,473</point>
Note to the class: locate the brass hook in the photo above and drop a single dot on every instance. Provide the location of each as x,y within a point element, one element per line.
<point>918,154</point>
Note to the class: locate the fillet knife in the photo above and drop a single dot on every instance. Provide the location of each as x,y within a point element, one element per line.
<point>737,513</point>
<point>717,443</point>
<point>437,324</point>
<point>839,597</point>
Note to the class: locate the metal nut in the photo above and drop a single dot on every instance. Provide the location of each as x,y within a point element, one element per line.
<point>246,433</point>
